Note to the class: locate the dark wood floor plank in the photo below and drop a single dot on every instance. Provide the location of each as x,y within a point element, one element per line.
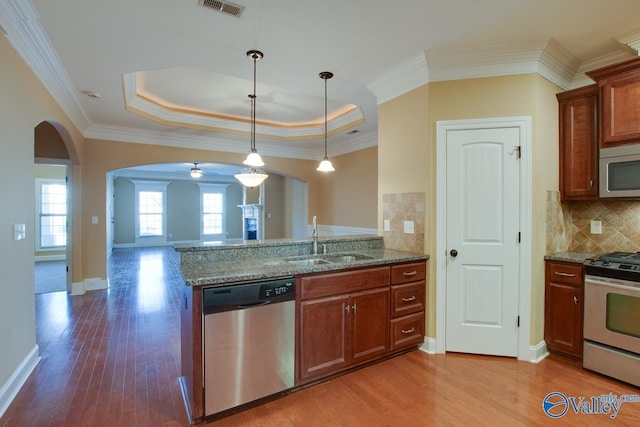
<point>112,358</point>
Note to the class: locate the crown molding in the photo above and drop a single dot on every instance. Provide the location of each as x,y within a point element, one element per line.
<point>401,79</point>
<point>630,40</point>
<point>546,58</point>
<point>581,79</point>
<point>21,23</point>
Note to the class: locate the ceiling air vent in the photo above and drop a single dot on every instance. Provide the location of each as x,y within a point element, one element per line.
<point>223,6</point>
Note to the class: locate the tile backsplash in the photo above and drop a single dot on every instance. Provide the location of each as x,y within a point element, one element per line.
<point>569,224</point>
<point>398,208</point>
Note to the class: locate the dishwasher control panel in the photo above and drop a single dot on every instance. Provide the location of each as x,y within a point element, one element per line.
<point>245,295</point>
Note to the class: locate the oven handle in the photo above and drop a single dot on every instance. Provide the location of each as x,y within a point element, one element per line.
<point>611,283</point>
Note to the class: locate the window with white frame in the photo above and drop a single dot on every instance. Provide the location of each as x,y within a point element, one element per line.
<point>151,209</point>
<point>213,211</point>
<point>52,214</point>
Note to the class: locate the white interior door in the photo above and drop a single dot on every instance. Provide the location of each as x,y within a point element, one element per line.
<point>482,236</point>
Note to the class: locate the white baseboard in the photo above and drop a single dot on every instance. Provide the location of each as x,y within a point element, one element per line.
<point>535,353</point>
<point>89,284</point>
<point>15,382</point>
<point>429,345</point>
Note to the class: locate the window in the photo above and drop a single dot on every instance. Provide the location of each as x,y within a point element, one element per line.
<point>151,208</point>
<point>150,213</point>
<point>213,212</point>
<point>52,214</point>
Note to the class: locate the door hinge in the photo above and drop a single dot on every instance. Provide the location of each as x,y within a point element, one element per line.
<point>519,237</point>
<point>519,151</point>
<point>518,322</point>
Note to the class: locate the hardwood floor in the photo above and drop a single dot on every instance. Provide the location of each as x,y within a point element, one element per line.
<point>111,358</point>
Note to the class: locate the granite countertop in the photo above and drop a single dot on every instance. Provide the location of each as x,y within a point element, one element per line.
<point>577,257</point>
<point>240,270</point>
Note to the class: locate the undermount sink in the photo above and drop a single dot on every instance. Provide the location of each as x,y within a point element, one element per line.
<point>346,258</point>
<point>308,261</point>
<point>328,259</point>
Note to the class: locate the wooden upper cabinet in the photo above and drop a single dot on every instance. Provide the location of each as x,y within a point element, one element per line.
<point>579,143</point>
<point>619,103</point>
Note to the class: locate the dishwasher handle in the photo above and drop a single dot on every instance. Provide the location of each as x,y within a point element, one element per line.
<point>256,304</point>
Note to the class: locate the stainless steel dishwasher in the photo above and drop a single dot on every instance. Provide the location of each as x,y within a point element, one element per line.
<point>249,342</point>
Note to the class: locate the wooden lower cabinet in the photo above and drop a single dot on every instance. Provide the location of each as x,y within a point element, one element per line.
<point>563,320</point>
<point>352,317</point>
<point>340,331</point>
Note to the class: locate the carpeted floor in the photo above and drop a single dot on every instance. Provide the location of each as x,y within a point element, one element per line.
<point>51,276</point>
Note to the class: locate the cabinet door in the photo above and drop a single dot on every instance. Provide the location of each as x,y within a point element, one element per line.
<point>579,144</point>
<point>563,318</point>
<point>323,336</point>
<point>620,110</point>
<point>370,324</point>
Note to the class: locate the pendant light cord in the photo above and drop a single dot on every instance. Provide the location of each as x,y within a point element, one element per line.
<point>253,106</point>
<point>325,118</point>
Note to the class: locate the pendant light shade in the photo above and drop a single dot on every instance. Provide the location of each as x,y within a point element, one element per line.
<point>325,164</point>
<point>253,160</point>
<point>196,172</point>
<point>252,178</point>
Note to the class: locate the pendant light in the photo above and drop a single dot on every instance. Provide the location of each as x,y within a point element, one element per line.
<point>325,164</point>
<point>196,172</point>
<point>253,159</point>
<point>252,177</point>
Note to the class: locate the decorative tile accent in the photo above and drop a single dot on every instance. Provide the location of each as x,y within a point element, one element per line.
<point>569,225</point>
<point>401,207</point>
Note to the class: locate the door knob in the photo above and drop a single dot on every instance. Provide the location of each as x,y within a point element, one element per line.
<point>453,253</point>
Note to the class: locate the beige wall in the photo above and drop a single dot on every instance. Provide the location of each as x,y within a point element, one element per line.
<point>23,105</point>
<point>407,150</point>
<point>349,195</point>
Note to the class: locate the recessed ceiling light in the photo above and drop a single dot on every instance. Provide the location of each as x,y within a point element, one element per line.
<point>351,132</point>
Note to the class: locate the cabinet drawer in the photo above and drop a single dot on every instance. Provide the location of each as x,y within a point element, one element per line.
<point>323,285</point>
<point>407,298</point>
<point>411,272</point>
<point>407,331</point>
<point>565,272</point>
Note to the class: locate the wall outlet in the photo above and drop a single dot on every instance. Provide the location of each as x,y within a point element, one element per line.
<point>408,227</point>
<point>94,219</point>
<point>596,227</point>
<point>387,225</point>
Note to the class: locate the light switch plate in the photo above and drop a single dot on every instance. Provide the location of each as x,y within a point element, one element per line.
<point>94,219</point>
<point>387,225</point>
<point>596,227</point>
<point>19,231</point>
<point>408,227</point>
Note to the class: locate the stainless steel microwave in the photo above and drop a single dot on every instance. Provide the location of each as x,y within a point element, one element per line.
<point>620,171</point>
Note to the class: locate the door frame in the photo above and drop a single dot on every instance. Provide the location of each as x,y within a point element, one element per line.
<point>523,123</point>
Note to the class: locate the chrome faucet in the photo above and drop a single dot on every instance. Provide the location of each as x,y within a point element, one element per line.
<point>314,234</point>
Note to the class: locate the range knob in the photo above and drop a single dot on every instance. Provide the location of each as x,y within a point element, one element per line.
<point>594,262</point>
<point>606,263</point>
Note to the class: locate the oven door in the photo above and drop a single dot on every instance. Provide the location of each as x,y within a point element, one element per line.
<point>612,312</point>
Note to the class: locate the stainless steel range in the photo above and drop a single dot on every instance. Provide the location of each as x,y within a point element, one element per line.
<point>612,316</point>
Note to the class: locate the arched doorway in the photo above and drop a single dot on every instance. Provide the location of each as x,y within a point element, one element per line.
<point>53,152</point>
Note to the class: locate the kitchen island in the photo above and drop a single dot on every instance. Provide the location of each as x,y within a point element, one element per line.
<point>356,302</point>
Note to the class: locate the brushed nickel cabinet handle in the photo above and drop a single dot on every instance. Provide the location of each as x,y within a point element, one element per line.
<point>560,273</point>
<point>575,300</point>
<point>410,273</point>
<point>409,299</point>
<point>591,183</point>
<point>408,331</point>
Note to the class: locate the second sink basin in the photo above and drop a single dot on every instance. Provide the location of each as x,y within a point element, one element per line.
<point>308,261</point>
<point>346,258</point>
